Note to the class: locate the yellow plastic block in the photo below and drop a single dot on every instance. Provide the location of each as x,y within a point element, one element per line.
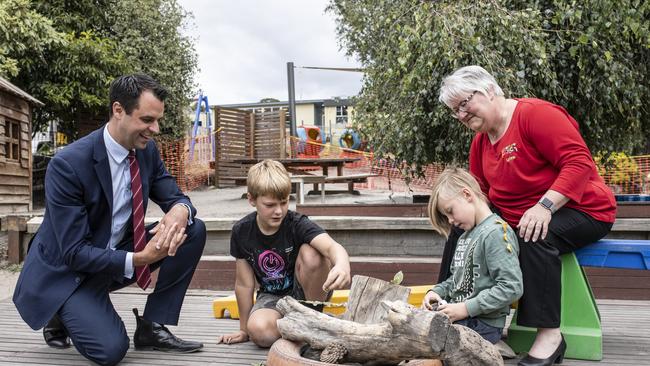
<point>220,305</point>
<point>417,294</point>
<point>338,297</point>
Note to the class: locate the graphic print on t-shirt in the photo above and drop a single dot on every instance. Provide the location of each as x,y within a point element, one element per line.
<point>271,264</point>
<point>273,257</point>
<point>273,268</point>
<point>464,264</point>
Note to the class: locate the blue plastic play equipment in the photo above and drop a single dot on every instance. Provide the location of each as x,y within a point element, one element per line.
<point>616,253</point>
<point>632,197</point>
<point>310,140</point>
<point>202,99</point>
<point>350,139</point>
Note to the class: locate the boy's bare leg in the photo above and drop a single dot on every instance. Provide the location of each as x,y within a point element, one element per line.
<point>311,270</point>
<point>262,327</point>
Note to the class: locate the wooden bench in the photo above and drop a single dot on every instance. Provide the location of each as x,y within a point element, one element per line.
<point>350,179</point>
<point>580,319</point>
<point>307,178</point>
<point>300,180</point>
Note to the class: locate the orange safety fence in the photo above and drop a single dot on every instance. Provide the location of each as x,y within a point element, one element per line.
<point>193,173</point>
<point>622,173</point>
<point>626,174</point>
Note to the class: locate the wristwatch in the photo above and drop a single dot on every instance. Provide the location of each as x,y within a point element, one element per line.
<point>547,204</point>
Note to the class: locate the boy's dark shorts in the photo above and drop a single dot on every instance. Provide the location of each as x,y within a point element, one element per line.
<point>266,300</point>
<point>488,332</point>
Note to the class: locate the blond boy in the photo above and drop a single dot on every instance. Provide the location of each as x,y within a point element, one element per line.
<point>486,277</point>
<point>281,250</point>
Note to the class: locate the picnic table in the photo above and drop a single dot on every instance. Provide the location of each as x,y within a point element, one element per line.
<point>296,166</point>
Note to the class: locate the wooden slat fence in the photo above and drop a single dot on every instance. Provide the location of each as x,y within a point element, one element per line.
<point>244,134</point>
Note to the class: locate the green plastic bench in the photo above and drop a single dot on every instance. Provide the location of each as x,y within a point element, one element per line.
<point>580,319</point>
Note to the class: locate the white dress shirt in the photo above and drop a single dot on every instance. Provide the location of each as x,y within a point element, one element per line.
<point>121,183</point>
<point>122,196</point>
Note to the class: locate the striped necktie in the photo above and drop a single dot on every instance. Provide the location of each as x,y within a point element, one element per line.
<point>143,276</point>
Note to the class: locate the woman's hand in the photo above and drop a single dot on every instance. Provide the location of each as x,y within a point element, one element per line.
<point>534,223</point>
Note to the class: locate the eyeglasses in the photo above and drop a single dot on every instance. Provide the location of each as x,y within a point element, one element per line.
<point>462,106</point>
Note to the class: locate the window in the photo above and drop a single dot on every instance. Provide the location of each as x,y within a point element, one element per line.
<point>342,114</point>
<point>12,140</point>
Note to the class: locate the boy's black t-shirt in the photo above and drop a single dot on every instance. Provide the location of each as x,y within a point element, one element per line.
<point>273,257</point>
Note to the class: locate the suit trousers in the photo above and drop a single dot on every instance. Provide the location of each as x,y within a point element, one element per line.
<point>89,316</point>
<point>541,267</point>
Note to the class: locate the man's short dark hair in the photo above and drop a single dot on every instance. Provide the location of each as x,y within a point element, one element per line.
<point>127,89</point>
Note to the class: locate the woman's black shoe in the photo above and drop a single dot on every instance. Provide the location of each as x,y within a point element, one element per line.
<point>556,357</point>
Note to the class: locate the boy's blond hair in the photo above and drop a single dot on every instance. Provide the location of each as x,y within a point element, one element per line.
<point>449,184</point>
<point>268,178</point>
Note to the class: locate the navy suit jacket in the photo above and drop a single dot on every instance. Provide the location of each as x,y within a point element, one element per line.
<point>72,242</point>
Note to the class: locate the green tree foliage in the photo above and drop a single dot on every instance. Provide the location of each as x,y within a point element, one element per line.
<point>24,37</point>
<point>148,35</point>
<point>102,39</point>
<point>589,56</point>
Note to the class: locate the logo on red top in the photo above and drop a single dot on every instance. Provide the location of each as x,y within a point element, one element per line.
<point>509,151</point>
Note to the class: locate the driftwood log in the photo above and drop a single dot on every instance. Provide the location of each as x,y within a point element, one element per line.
<point>395,331</point>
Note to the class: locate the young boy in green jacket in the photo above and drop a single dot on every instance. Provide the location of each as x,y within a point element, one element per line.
<point>486,277</point>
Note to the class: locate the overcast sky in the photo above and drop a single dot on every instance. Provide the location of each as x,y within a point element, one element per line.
<point>243,47</point>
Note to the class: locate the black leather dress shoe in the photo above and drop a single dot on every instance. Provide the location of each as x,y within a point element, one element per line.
<point>556,357</point>
<point>55,334</point>
<point>151,336</point>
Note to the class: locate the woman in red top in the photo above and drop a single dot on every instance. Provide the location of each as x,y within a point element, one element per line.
<point>532,163</point>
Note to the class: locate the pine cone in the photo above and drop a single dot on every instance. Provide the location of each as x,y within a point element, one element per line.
<point>333,353</point>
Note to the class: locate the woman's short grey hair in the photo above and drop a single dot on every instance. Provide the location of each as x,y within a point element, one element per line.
<point>464,81</point>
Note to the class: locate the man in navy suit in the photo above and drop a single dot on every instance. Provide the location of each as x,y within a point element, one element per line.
<point>85,246</point>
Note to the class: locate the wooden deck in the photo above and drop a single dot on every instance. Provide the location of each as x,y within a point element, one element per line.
<point>626,328</point>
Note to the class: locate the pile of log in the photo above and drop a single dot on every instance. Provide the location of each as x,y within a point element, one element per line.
<point>380,328</point>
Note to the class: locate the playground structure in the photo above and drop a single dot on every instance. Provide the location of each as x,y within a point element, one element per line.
<point>201,100</point>
<point>350,139</point>
<point>310,142</point>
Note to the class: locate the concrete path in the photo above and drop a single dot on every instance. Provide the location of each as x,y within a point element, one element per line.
<point>227,202</point>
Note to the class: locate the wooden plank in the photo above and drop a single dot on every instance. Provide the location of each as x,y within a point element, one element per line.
<point>231,135</point>
<point>233,127</point>
<point>631,224</point>
<point>14,169</point>
<point>14,199</point>
<point>15,190</point>
<point>234,121</point>
<point>625,337</point>
<point>9,208</point>
<point>12,180</point>
<point>13,114</point>
<point>356,178</point>
<point>18,104</point>
<point>385,210</point>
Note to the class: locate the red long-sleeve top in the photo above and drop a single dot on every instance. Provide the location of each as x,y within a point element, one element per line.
<point>541,149</point>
